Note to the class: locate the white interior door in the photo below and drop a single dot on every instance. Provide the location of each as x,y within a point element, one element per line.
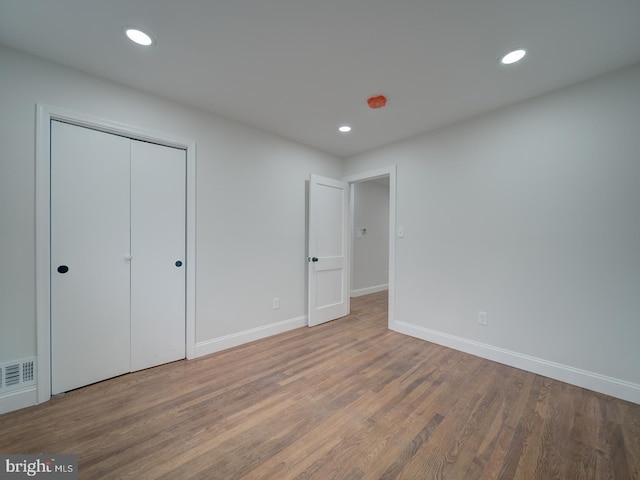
<point>89,249</point>
<point>328,249</point>
<point>118,218</point>
<point>158,208</point>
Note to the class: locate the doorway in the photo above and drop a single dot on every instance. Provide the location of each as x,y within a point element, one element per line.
<point>369,236</point>
<point>367,279</point>
<point>338,210</point>
<point>45,116</point>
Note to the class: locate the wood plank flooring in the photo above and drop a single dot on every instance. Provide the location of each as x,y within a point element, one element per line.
<point>345,400</point>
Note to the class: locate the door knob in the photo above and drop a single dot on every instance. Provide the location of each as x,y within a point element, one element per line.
<point>178,263</point>
<point>63,269</point>
<point>312,259</point>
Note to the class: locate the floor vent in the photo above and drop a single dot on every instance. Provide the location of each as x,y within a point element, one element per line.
<point>17,374</point>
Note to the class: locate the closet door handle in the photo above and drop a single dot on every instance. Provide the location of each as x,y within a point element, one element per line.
<point>178,263</point>
<point>63,269</point>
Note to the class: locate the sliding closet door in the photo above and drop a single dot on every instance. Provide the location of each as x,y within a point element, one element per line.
<point>89,256</point>
<point>158,217</point>
<point>118,218</point>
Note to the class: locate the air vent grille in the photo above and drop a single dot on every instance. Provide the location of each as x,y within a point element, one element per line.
<point>17,374</point>
<point>12,375</point>
<point>27,371</point>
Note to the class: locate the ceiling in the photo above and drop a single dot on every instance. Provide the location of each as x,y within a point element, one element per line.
<point>300,68</point>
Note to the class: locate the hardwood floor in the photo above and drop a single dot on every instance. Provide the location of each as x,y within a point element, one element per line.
<point>344,400</point>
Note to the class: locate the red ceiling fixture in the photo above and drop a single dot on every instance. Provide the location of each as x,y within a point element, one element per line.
<point>377,102</point>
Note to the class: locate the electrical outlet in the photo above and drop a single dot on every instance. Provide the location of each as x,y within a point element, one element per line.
<point>482,319</point>
<point>276,303</point>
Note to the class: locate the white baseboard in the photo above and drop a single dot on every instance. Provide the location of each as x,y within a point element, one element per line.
<point>17,399</point>
<point>575,376</point>
<point>228,341</point>
<point>366,291</point>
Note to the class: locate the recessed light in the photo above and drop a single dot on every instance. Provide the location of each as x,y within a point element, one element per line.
<point>513,57</point>
<point>139,37</point>
<point>344,128</point>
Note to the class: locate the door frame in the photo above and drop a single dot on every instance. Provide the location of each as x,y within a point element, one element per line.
<point>44,115</point>
<point>390,172</point>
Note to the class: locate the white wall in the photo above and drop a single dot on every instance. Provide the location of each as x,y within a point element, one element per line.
<point>532,214</point>
<point>250,202</point>
<point>371,249</point>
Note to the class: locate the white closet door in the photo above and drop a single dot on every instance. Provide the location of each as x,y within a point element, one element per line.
<point>158,216</point>
<point>89,249</point>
